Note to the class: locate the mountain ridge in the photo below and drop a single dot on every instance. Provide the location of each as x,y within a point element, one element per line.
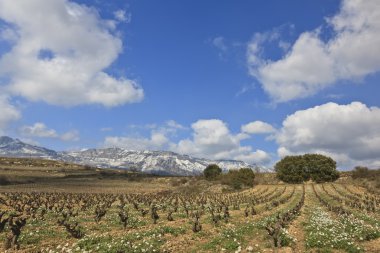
<point>157,162</point>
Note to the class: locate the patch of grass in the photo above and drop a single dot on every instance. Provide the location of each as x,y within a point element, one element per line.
<point>148,241</point>
<point>326,233</point>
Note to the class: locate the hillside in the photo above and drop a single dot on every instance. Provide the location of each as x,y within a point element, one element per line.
<point>154,162</point>
<point>39,171</point>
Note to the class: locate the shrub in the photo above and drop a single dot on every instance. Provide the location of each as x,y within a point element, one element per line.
<point>237,178</point>
<point>364,172</point>
<point>4,180</point>
<point>246,176</point>
<point>361,172</point>
<point>298,169</point>
<point>212,172</point>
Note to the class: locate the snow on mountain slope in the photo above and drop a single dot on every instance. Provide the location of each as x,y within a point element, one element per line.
<point>16,148</point>
<point>163,162</point>
<point>158,162</point>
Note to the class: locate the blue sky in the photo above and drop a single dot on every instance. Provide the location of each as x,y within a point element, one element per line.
<point>247,80</point>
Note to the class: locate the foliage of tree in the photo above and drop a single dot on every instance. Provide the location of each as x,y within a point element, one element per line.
<point>321,168</point>
<point>212,172</point>
<point>292,169</point>
<point>301,168</point>
<point>239,178</point>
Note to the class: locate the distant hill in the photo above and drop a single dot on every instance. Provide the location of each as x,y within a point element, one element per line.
<point>155,162</point>
<point>158,162</point>
<point>16,148</point>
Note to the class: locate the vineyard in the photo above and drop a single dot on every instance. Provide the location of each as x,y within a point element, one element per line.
<point>267,218</point>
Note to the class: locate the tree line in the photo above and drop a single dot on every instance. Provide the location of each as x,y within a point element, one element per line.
<point>291,169</point>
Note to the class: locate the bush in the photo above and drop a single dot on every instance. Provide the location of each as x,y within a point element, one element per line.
<point>365,173</point>
<point>4,180</point>
<point>362,172</point>
<point>212,172</point>
<point>298,169</point>
<point>178,181</point>
<point>246,176</point>
<point>237,178</point>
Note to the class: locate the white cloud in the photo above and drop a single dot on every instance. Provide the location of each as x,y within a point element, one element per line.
<point>157,141</point>
<point>257,127</point>
<point>175,125</point>
<point>258,156</point>
<point>122,16</point>
<point>8,113</point>
<point>170,127</point>
<point>60,50</point>
<point>349,133</point>
<point>212,139</point>
<point>72,135</point>
<point>313,64</point>
<point>40,130</point>
<point>219,43</point>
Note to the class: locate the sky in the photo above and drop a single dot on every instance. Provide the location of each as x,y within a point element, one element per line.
<point>245,80</point>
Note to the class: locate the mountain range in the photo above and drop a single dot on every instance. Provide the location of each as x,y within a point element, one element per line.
<point>157,162</point>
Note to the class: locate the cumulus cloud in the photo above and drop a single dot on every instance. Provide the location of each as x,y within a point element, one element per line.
<point>159,137</point>
<point>174,125</point>
<point>257,127</point>
<point>40,130</point>
<point>157,141</point>
<point>8,113</point>
<point>212,139</point>
<point>60,50</point>
<point>349,133</point>
<point>312,64</point>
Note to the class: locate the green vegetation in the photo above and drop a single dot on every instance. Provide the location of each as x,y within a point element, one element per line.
<point>369,178</point>
<point>253,220</point>
<point>212,172</point>
<point>364,172</point>
<point>233,178</point>
<point>325,232</point>
<point>239,178</point>
<point>298,169</point>
<point>161,214</point>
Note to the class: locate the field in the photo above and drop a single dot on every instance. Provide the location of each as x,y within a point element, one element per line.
<point>136,214</point>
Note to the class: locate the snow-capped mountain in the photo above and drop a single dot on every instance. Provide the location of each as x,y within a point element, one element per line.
<point>161,162</point>
<point>16,148</point>
<point>158,162</point>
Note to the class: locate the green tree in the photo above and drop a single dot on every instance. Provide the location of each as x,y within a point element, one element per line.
<point>212,172</point>
<point>297,169</point>
<point>246,176</point>
<point>238,178</point>
<point>292,169</point>
<point>321,168</point>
